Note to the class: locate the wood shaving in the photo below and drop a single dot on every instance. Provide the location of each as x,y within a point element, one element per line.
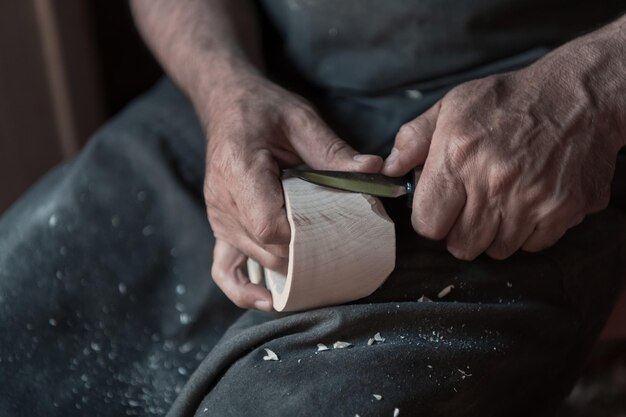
<point>321,347</point>
<point>424,299</point>
<point>378,396</point>
<point>376,339</point>
<point>396,412</point>
<point>271,356</point>
<point>447,290</point>
<point>465,374</point>
<point>341,345</point>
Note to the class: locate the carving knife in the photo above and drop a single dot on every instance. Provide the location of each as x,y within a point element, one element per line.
<point>374,184</point>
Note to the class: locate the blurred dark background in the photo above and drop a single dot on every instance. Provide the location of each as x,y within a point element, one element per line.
<point>65,67</point>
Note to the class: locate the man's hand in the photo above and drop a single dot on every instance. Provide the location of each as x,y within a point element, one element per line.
<point>513,161</point>
<point>256,129</point>
<point>211,49</point>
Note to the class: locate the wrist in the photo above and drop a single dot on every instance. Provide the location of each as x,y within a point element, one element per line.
<point>589,73</point>
<point>602,73</point>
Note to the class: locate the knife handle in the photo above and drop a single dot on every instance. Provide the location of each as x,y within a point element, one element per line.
<point>411,182</point>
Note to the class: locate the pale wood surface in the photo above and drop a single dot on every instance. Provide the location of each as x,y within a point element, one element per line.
<point>342,248</point>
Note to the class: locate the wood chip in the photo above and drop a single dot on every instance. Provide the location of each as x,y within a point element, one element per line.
<point>321,347</point>
<point>510,285</point>
<point>378,396</point>
<point>271,356</point>
<point>341,345</point>
<point>447,290</point>
<point>424,299</point>
<point>376,339</point>
<point>396,412</point>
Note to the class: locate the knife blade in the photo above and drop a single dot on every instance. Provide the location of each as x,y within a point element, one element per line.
<point>373,184</point>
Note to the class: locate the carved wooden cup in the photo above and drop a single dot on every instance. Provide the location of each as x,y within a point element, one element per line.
<point>342,248</point>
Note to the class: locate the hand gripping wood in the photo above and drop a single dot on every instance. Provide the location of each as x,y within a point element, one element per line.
<point>342,248</point>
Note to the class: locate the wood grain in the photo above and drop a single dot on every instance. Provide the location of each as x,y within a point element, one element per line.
<point>342,248</point>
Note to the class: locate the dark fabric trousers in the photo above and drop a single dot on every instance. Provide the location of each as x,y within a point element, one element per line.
<point>107,307</point>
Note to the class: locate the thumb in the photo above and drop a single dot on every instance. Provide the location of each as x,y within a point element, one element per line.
<point>412,143</point>
<point>320,148</point>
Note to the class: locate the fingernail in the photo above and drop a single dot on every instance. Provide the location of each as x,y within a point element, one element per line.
<point>362,158</point>
<point>263,305</point>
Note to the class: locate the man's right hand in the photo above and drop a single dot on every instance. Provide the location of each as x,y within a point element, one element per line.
<point>254,129</point>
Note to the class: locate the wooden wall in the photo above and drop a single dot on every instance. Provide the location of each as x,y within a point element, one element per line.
<point>50,90</point>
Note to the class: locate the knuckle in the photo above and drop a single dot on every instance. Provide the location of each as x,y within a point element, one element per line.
<point>212,220</point>
<point>218,274</point>
<point>462,245</point>
<point>406,133</point>
<point>500,179</point>
<point>210,198</point>
<point>273,262</point>
<point>303,116</point>
<point>335,148</point>
<point>547,236</point>
<point>461,253</point>
<point>427,228</point>
<point>500,250</point>
<point>459,150</point>
<point>262,158</point>
<point>264,231</point>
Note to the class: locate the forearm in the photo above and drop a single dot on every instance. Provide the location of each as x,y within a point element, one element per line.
<point>593,67</point>
<point>204,45</point>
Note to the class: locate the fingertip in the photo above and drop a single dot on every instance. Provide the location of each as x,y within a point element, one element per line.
<point>368,163</point>
<point>390,165</point>
<point>257,296</point>
<point>263,305</point>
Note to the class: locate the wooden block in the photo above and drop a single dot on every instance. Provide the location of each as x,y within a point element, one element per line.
<point>342,248</point>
